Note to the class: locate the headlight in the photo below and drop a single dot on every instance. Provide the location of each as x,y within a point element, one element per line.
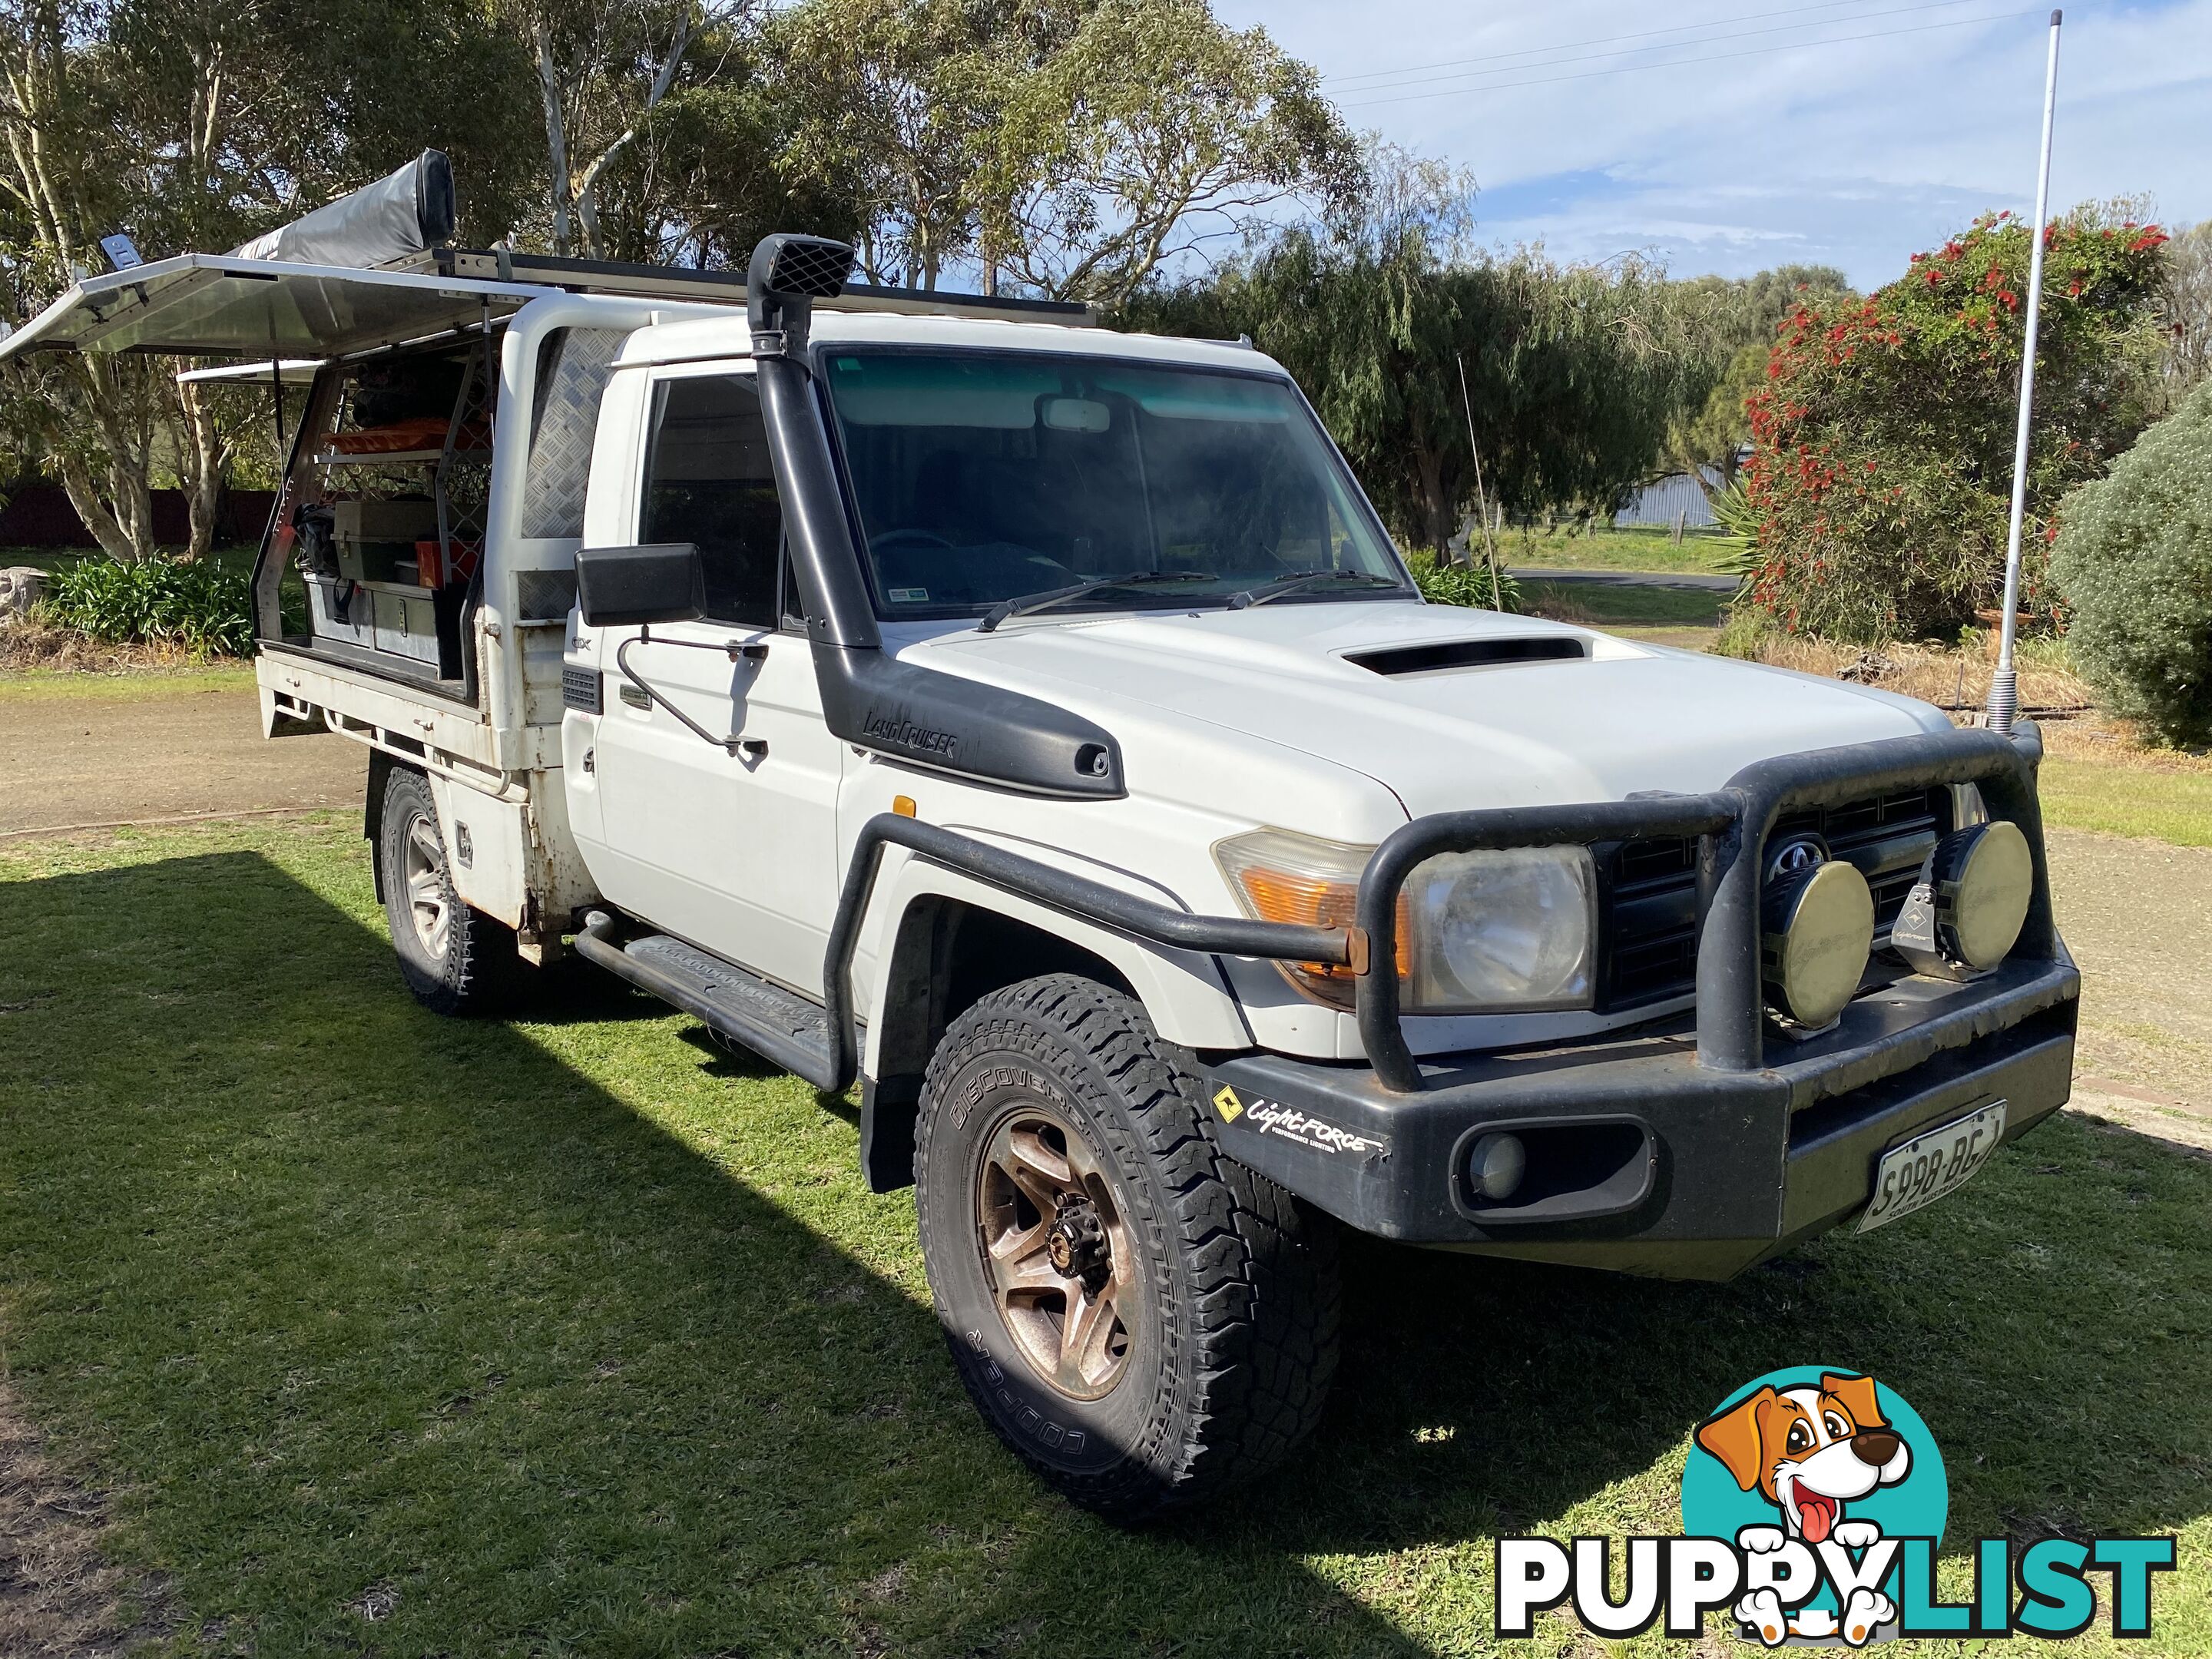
<point>1492,931</point>
<point>1965,914</point>
<point>1509,929</point>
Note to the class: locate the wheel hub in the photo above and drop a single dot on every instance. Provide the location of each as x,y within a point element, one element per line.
<point>1077,1245</point>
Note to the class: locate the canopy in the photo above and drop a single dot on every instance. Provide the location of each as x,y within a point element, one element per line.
<point>217,305</point>
<point>292,371</point>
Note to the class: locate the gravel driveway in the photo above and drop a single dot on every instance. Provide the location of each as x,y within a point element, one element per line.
<point>180,749</point>
<point>2137,915</point>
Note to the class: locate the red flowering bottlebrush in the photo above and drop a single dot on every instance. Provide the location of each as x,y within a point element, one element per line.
<point>1917,385</point>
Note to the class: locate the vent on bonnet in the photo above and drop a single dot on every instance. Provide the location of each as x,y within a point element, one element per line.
<point>1464,653</point>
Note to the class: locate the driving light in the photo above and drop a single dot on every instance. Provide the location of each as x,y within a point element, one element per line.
<point>1965,912</point>
<point>1817,929</point>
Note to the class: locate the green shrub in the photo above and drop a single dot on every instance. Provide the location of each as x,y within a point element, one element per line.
<point>1744,634</point>
<point>1468,585</point>
<point>2133,561</point>
<point>200,605</point>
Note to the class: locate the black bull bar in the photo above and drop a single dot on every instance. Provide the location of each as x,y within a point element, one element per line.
<point>1731,826</point>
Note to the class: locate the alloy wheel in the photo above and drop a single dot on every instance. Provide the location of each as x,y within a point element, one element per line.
<point>1056,1252</point>
<point>429,895</point>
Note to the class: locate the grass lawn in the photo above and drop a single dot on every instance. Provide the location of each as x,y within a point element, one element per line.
<point>576,1336</point>
<point>1638,548</point>
<point>217,674</point>
<point>2124,797</point>
<point>1600,606</point>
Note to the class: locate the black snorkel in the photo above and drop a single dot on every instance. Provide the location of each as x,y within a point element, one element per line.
<point>920,716</point>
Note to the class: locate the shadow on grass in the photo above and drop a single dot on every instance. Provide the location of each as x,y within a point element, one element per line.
<point>574,1336</point>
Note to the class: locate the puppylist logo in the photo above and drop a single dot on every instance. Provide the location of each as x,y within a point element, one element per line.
<point>1813,1503</point>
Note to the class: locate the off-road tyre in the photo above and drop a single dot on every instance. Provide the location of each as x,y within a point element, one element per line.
<point>1237,1296</point>
<point>469,966</point>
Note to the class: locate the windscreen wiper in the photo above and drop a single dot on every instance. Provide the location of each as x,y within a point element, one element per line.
<point>1276,589</point>
<point>1027,602</point>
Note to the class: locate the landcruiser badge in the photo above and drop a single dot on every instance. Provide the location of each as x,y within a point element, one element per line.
<point>1226,1104</point>
<point>903,733</point>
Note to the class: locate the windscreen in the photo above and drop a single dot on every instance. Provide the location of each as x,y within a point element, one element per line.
<point>983,476</point>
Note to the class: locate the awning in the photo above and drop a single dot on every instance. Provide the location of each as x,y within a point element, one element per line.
<point>208,305</point>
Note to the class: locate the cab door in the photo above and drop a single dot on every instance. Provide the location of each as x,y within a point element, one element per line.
<point>733,852</point>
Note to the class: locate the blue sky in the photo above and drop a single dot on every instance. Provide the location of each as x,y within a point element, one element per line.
<point>1834,150</point>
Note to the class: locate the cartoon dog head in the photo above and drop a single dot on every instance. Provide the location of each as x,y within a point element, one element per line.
<point>1810,1450</point>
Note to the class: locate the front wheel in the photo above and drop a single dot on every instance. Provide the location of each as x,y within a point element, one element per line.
<point>1141,1318</point>
<point>455,959</point>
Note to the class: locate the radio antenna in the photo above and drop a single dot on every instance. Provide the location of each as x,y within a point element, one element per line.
<point>2004,684</point>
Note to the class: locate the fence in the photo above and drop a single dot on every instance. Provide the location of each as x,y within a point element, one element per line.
<point>1660,500</point>
<point>39,515</point>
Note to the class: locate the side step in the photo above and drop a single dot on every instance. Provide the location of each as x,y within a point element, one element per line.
<point>776,1023</point>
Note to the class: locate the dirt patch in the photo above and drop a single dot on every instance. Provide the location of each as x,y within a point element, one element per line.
<point>179,751</point>
<point>59,1599</point>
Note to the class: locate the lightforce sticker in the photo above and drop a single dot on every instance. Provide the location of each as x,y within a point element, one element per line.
<point>1301,1128</point>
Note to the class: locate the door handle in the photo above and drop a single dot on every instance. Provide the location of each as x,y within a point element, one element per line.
<point>753,749</point>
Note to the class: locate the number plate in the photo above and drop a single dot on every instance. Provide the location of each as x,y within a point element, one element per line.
<point>1930,1165</point>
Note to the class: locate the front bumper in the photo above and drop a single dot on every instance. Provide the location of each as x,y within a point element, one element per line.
<point>1659,1165</point>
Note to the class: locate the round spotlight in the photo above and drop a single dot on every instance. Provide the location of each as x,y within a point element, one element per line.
<point>1819,927</point>
<point>1965,914</point>
<point>1989,884</point>
<point>1495,1165</point>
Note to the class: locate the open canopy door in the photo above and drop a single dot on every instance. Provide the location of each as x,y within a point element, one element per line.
<point>292,371</point>
<point>207,305</point>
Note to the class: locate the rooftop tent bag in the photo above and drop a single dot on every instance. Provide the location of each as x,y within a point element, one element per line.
<point>400,214</point>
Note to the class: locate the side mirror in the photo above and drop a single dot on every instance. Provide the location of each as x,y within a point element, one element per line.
<point>624,586</point>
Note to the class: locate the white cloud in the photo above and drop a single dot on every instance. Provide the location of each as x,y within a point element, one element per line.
<point>1853,153</point>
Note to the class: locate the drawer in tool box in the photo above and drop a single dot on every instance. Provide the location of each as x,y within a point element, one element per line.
<point>400,621</point>
<point>407,623</point>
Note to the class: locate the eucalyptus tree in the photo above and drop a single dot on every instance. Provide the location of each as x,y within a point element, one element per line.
<point>604,69</point>
<point>894,106</point>
<point>1064,147</point>
<point>193,126</point>
<point>1151,133</point>
<point>2185,310</point>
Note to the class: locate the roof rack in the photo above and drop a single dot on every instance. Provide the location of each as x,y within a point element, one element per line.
<point>722,287</point>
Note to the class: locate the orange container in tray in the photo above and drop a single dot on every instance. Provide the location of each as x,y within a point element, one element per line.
<point>435,571</point>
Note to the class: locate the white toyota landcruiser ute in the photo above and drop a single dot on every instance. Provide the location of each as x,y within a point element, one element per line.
<point>1034,725</point>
